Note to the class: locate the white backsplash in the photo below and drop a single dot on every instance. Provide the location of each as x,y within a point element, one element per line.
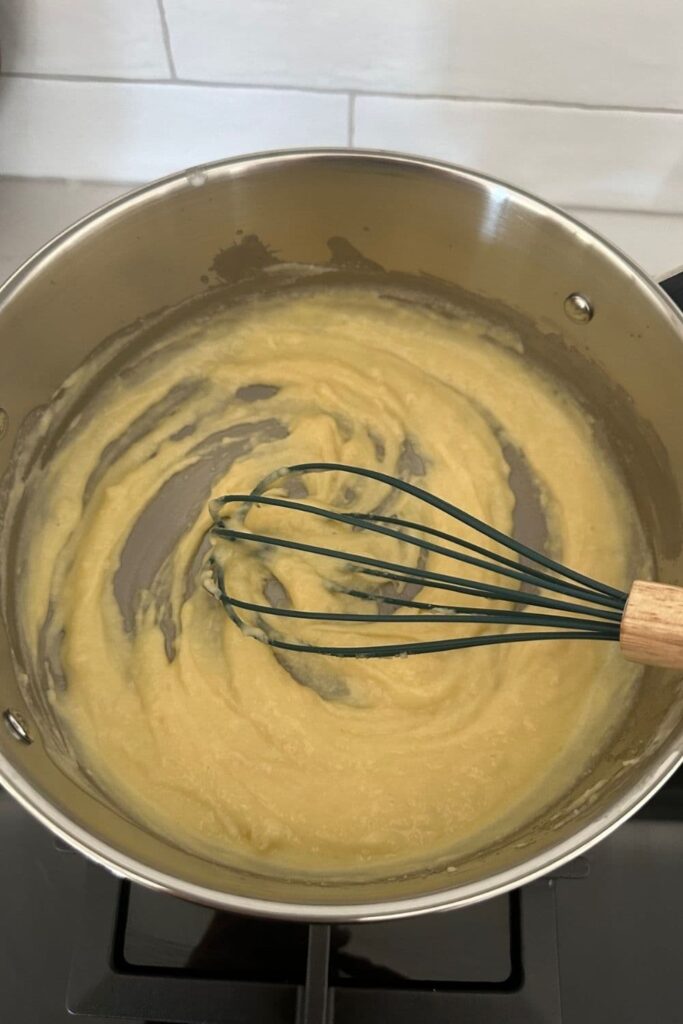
<point>581,102</point>
<point>571,156</point>
<point>138,131</point>
<point>117,38</point>
<point>598,52</point>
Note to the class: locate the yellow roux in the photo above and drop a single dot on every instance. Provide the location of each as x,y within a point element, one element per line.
<point>221,748</point>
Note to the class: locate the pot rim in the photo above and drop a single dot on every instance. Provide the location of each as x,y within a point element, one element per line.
<point>108,856</point>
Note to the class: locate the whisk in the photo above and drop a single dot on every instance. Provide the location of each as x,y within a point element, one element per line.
<point>541,598</point>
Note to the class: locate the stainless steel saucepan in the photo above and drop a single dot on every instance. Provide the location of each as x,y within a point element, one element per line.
<point>584,310</point>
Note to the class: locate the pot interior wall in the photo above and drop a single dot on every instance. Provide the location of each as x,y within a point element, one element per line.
<point>211,232</point>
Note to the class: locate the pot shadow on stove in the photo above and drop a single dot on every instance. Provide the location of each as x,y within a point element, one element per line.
<point>265,950</point>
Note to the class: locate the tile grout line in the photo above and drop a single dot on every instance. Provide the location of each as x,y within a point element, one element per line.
<point>39,76</point>
<point>166,36</point>
<point>506,101</point>
<point>342,91</point>
<point>628,211</point>
<point>352,120</point>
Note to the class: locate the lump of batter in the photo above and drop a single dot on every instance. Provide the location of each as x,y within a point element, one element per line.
<point>309,763</point>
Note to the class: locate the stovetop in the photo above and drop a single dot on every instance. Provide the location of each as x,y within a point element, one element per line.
<point>599,941</point>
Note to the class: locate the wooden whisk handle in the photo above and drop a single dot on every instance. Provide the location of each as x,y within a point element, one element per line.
<point>652,625</point>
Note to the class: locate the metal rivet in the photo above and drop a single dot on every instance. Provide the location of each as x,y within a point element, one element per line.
<point>4,421</point>
<point>17,726</point>
<point>578,308</point>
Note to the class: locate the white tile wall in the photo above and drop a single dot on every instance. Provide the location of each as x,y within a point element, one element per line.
<point>655,241</point>
<point>579,100</point>
<point>117,38</point>
<point>579,51</point>
<point>135,132</point>
<point>574,157</point>
<point>356,44</point>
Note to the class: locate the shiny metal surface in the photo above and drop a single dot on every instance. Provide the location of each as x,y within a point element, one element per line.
<point>578,308</point>
<point>16,726</point>
<point>475,240</point>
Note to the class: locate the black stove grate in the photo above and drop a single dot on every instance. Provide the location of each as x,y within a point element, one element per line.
<point>597,942</point>
<point>328,972</point>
